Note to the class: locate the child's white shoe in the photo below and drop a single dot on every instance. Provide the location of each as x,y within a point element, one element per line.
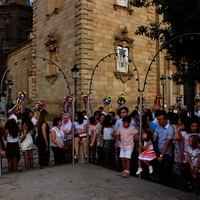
<point>150,169</point>
<point>139,170</point>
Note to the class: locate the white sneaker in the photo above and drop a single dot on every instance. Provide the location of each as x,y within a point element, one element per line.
<point>139,170</point>
<point>150,169</point>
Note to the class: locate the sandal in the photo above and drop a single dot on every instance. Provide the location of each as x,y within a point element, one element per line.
<point>76,157</point>
<point>86,156</point>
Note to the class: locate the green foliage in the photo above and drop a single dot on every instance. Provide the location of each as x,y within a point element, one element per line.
<point>179,17</point>
<point>140,3</point>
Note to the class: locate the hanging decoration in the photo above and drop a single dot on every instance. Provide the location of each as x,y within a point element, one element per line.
<point>39,106</point>
<point>107,102</point>
<point>85,99</point>
<point>197,97</point>
<point>121,100</point>
<point>67,104</point>
<point>20,101</point>
<point>179,101</point>
<point>158,101</point>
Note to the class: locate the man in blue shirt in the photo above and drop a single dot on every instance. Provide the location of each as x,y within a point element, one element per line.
<point>164,135</point>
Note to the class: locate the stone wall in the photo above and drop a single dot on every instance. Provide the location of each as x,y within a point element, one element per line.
<point>83,32</point>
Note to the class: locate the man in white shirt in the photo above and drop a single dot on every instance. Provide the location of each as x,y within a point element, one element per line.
<point>66,127</point>
<point>31,114</point>
<point>12,115</point>
<point>101,110</point>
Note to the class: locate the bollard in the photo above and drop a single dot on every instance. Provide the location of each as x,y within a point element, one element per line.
<point>81,155</point>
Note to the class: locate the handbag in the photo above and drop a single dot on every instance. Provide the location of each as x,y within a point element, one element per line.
<point>82,135</point>
<point>35,140</point>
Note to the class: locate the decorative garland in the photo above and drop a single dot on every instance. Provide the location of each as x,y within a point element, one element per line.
<point>157,101</point>
<point>107,100</point>
<point>179,98</point>
<point>197,97</point>
<point>39,106</point>
<point>20,100</point>
<point>179,101</point>
<point>67,104</point>
<point>121,100</point>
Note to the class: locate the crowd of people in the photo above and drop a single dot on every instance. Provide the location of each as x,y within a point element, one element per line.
<point>167,150</point>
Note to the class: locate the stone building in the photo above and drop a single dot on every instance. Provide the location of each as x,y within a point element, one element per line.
<point>15,23</point>
<point>82,32</point>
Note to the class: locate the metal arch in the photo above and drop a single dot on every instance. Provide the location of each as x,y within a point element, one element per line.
<point>129,60</point>
<point>162,47</point>
<point>14,63</point>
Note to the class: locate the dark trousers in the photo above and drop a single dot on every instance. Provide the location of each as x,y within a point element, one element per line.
<point>164,169</point>
<point>68,151</point>
<point>58,155</point>
<point>100,153</point>
<point>43,155</point>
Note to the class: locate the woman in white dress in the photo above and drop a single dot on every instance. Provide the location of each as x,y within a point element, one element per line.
<point>27,141</point>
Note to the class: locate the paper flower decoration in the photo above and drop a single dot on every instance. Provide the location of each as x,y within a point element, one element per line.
<point>107,100</point>
<point>85,99</point>
<point>40,105</point>
<point>158,97</point>
<point>121,99</point>
<point>179,98</point>
<point>197,97</point>
<point>21,96</point>
<point>67,100</point>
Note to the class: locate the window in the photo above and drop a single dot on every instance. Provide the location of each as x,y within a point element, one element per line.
<point>122,59</point>
<point>123,3</point>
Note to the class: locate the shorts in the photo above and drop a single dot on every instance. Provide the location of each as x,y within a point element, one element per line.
<point>78,136</point>
<point>125,153</point>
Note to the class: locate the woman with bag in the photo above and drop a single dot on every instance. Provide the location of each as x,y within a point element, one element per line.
<point>57,141</point>
<point>27,141</point>
<point>80,134</point>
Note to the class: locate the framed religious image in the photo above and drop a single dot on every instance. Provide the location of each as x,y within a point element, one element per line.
<point>122,59</point>
<point>123,3</point>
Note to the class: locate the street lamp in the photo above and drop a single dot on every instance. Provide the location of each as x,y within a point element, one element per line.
<point>163,82</point>
<point>10,86</point>
<point>75,73</point>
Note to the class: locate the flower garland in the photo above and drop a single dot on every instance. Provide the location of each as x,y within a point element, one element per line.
<point>157,101</point>
<point>21,96</point>
<point>39,106</point>
<point>85,99</point>
<point>121,100</point>
<point>179,98</point>
<point>67,103</point>
<point>197,97</point>
<point>107,100</point>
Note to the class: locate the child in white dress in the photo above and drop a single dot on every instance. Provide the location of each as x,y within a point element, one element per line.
<point>194,160</point>
<point>147,153</point>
